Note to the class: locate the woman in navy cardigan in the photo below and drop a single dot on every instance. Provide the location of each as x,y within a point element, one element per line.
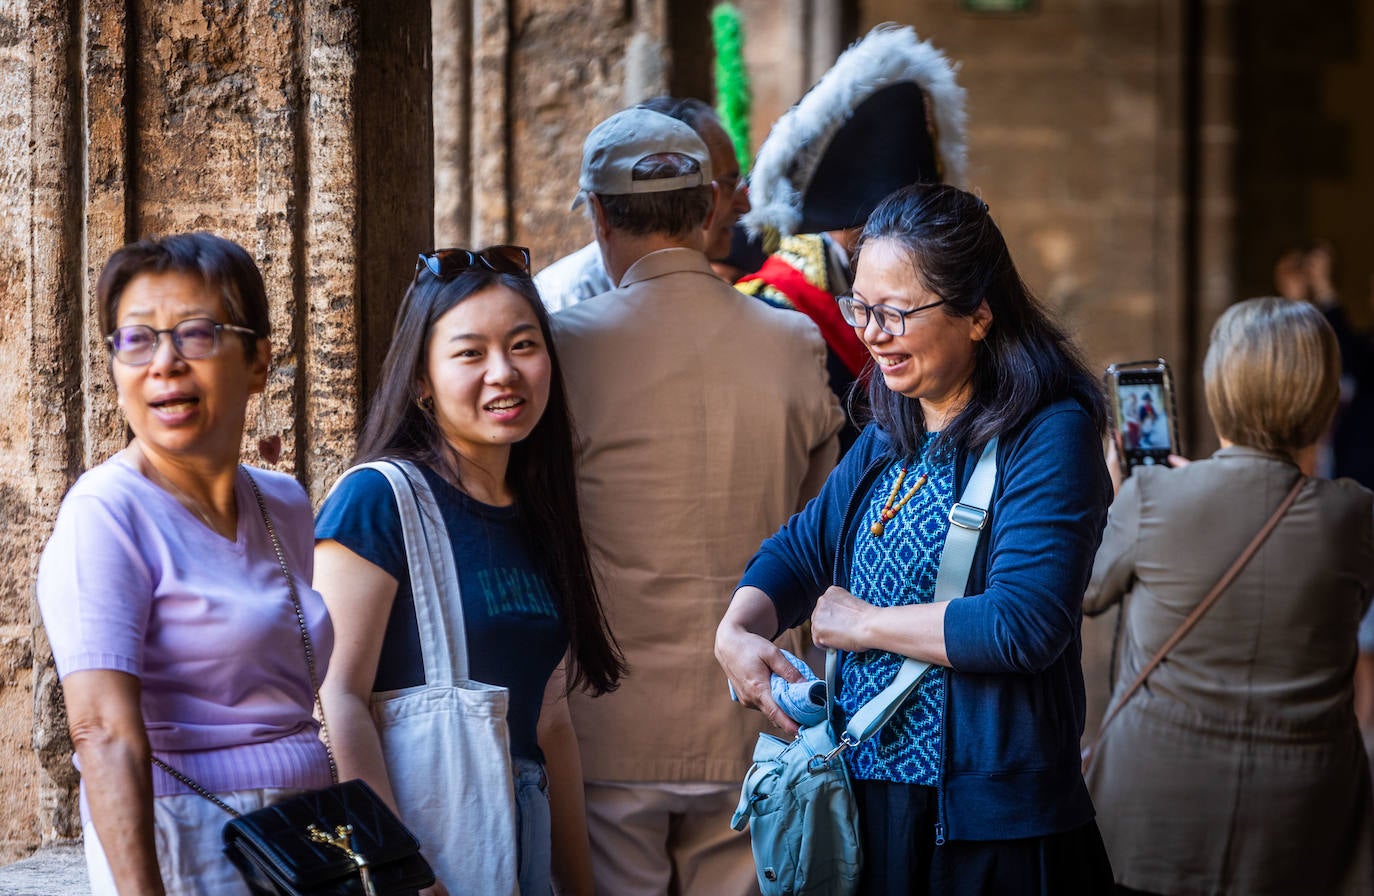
<point>974,786</point>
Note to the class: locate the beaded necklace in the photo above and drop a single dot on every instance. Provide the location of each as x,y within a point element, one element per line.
<point>889,509</point>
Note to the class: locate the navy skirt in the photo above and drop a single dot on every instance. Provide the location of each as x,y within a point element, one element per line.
<point>897,825</point>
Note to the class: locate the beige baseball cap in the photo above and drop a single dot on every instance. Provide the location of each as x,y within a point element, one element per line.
<point>618,144</point>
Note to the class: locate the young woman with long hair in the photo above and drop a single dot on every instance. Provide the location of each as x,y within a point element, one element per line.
<point>472,396</point>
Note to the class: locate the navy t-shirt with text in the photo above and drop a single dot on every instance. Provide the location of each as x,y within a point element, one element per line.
<point>515,636</point>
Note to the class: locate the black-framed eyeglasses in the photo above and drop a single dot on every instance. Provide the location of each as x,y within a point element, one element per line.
<point>891,320</point>
<point>449,263</point>
<point>195,338</point>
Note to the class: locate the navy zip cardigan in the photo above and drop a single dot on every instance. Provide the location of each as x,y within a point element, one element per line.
<point>1015,702</point>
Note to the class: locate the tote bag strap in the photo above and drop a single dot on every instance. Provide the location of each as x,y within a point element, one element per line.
<point>433,572</point>
<point>967,518</point>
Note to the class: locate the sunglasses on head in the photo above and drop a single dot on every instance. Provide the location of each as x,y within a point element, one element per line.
<point>449,263</point>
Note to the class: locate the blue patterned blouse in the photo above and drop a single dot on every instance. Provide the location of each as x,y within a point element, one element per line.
<point>896,569</point>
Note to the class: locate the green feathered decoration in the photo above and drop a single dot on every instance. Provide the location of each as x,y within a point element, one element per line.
<point>732,78</point>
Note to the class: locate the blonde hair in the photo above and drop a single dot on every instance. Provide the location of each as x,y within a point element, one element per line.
<point>1272,375</point>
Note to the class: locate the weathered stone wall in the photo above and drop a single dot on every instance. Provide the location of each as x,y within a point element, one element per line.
<point>1074,141</point>
<point>788,45</point>
<point>571,64</point>
<point>574,63</point>
<point>39,447</point>
<point>16,664</point>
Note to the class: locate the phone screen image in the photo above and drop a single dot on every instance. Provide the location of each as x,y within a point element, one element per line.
<point>1144,422</point>
<point>1144,413</point>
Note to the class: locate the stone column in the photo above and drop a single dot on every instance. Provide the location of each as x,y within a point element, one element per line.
<point>1214,159</point>
<point>327,396</point>
<point>490,123</point>
<point>452,28</point>
<point>43,417</point>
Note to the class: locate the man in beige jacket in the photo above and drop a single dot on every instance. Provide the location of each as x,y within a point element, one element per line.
<point>704,420</point>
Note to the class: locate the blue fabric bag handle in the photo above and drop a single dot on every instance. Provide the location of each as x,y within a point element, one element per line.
<point>967,518</point>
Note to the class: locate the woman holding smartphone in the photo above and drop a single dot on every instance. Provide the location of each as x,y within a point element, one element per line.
<point>1238,768</point>
<point>472,396</point>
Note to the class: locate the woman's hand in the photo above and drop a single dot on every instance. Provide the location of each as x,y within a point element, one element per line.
<point>842,622</point>
<point>1114,462</point>
<point>437,890</point>
<point>749,659</point>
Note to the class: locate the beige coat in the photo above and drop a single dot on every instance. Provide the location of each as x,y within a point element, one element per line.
<point>1238,767</point>
<point>704,421</point>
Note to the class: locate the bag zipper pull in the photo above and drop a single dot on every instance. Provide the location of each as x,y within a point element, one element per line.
<point>939,834</point>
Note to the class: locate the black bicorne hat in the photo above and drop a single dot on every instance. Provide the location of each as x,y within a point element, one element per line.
<point>887,114</point>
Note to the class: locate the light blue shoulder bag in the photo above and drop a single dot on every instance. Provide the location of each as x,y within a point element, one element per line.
<point>797,798</point>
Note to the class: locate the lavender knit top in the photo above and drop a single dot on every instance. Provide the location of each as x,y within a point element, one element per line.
<point>132,581</point>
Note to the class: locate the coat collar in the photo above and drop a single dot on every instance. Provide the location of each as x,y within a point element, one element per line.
<point>1246,451</point>
<point>666,261</point>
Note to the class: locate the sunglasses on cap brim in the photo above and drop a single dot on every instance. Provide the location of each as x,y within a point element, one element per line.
<point>449,263</point>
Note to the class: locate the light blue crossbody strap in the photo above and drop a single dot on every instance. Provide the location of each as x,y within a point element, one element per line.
<point>967,518</point>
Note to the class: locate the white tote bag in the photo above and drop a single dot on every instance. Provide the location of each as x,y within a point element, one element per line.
<point>446,743</point>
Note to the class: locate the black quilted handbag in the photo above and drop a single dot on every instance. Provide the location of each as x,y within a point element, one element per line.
<point>339,841</point>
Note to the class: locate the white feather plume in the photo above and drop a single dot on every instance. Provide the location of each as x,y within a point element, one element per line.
<point>890,54</point>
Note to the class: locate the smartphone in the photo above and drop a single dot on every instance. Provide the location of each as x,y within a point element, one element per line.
<point>1142,399</point>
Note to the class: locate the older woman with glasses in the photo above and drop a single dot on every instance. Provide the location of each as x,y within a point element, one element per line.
<point>973,787</point>
<point>471,402</point>
<point>173,623</point>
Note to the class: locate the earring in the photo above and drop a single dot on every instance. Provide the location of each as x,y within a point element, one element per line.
<point>426,403</point>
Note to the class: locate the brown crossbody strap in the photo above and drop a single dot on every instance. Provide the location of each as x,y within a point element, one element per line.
<point>306,642</point>
<point>1203,606</point>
